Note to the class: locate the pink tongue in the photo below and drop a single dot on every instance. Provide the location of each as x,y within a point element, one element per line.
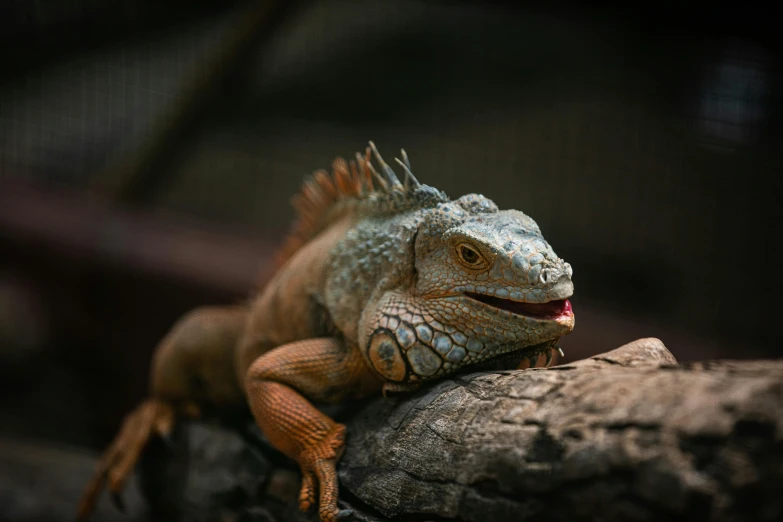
<point>545,310</point>
<point>553,308</point>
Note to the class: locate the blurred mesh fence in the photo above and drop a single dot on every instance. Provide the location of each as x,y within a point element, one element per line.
<point>651,164</point>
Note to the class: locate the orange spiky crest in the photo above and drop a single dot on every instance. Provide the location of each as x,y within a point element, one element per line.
<point>319,195</point>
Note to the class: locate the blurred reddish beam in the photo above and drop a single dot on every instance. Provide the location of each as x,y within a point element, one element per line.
<point>137,240</point>
<point>229,261</point>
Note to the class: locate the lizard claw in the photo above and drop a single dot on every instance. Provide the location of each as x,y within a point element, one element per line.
<point>117,500</point>
<point>167,439</point>
<point>307,493</point>
<point>318,465</point>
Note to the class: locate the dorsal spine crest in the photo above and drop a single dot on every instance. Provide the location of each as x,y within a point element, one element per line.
<point>354,186</point>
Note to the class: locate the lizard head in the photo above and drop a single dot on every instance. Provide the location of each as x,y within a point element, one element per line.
<point>487,286</point>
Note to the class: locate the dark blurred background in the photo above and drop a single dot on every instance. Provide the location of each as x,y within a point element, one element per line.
<point>148,152</point>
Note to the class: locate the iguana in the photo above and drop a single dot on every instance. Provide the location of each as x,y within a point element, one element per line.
<point>383,285</point>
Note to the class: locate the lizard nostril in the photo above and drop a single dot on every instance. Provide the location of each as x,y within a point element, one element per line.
<point>545,276</point>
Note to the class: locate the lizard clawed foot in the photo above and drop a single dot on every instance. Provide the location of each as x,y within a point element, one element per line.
<point>318,465</point>
<point>117,463</point>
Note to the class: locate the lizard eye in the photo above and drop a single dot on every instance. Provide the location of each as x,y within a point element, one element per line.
<point>469,256</point>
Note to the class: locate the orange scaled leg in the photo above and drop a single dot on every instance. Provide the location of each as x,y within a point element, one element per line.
<point>151,417</point>
<point>277,384</point>
<point>198,347</point>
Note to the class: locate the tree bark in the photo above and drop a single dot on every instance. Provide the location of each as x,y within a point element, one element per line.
<point>627,435</point>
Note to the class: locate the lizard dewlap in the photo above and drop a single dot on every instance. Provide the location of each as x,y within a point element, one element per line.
<point>384,284</point>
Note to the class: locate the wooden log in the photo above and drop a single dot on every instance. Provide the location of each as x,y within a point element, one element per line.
<point>626,435</point>
<point>629,435</point>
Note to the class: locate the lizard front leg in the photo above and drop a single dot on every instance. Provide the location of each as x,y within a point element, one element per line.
<point>323,370</point>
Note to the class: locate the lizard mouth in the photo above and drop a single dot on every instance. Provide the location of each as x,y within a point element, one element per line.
<point>550,310</point>
<point>513,359</point>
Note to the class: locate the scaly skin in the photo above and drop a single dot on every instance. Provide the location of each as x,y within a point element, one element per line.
<point>383,286</point>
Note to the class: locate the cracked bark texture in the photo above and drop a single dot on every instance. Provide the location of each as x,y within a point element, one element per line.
<point>627,435</point>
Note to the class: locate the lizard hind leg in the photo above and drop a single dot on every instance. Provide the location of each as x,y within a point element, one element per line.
<point>193,367</point>
<point>152,417</point>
